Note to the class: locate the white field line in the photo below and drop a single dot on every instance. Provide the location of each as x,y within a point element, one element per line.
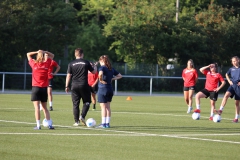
<point>126,133</point>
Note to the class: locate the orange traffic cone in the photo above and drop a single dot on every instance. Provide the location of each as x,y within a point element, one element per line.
<point>129,98</point>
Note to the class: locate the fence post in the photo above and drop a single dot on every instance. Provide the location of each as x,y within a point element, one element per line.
<point>115,87</point>
<point>151,86</point>
<point>3,82</point>
<point>25,70</point>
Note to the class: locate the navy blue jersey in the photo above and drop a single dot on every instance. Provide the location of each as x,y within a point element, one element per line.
<point>107,76</point>
<point>234,74</point>
<point>79,68</point>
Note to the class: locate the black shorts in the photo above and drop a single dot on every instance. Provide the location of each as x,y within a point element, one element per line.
<point>79,92</point>
<point>211,94</point>
<point>94,89</point>
<point>50,83</point>
<point>189,88</point>
<point>39,94</point>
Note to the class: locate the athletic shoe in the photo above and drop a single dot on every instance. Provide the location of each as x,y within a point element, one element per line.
<point>82,120</point>
<point>94,109</point>
<point>235,121</point>
<point>189,109</point>
<point>37,128</point>
<point>107,125</point>
<point>50,127</point>
<point>76,124</point>
<point>101,126</point>
<point>51,108</point>
<point>197,111</point>
<point>218,111</point>
<point>210,118</point>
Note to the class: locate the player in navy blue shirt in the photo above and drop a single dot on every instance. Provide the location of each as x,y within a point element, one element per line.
<point>105,91</point>
<point>78,72</point>
<point>233,78</point>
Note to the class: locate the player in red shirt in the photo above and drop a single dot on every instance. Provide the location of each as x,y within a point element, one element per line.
<point>53,65</point>
<point>190,77</point>
<point>211,87</point>
<point>40,68</point>
<point>93,84</point>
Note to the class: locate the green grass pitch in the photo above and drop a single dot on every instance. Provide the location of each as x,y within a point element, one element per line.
<point>147,127</point>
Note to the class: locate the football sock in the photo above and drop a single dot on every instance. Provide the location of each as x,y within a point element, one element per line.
<point>49,122</point>
<point>103,120</point>
<point>38,123</point>
<point>221,107</point>
<point>198,106</point>
<point>50,103</point>
<point>94,106</point>
<point>236,116</point>
<point>108,119</point>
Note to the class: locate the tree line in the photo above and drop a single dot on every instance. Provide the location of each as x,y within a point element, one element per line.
<point>129,31</point>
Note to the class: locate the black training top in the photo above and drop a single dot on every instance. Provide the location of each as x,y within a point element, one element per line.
<point>79,68</point>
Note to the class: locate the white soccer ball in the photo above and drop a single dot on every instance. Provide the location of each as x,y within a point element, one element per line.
<point>216,118</point>
<point>90,122</point>
<point>45,122</point>
<point>195,116</point>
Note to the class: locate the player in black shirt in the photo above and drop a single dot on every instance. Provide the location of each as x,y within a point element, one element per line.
<point>78,72</point>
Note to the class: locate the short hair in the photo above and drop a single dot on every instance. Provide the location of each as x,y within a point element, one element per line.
<point>79,51</point>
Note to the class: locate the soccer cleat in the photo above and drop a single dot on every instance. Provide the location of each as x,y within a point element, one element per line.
<point>37,128</point>
<point>51,108</point>
<point>82,120</point>
<point>94,109</point>
<point>189,109</point>
<point>102,126</point>
<point>50,127</point>
<point>218,111</point>
<point>76,124</point>
<point>107,125</point>
<point>197,111</point>
<point>235,121</point>
<point>210,118</point>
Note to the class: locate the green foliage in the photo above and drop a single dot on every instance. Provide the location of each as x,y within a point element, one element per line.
<point>31,25</point>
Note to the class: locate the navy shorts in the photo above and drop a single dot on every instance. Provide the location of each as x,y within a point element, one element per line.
<point>105,95</point>
<point>211,94</point>
<point>39,94</point>
<point>189,88</point>
<point>235,91</point>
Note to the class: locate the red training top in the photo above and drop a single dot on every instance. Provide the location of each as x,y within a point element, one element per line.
<point>92,78</point>
<point>212,80</point>
<point>40,72</point>
<point>190,76</point>
<point>50,70</point>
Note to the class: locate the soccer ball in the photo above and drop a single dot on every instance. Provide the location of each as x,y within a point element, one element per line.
<point>195,116</point>
<point>216,118</point>
<point>45,122</point>
<point>90,122</point>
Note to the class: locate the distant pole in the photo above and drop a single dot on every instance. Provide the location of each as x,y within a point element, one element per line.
<point>177,10</point>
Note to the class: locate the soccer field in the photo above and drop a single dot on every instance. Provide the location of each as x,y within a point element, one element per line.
<point>147,127</point>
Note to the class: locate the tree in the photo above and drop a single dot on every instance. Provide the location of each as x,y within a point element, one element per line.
<point>31,25</point>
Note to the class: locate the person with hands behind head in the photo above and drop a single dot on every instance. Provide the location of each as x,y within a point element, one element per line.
<point>105,91</point>
<point>233,78</point>
<point>78,72</point>
<point>39,94</point>
<point>211,87</point>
